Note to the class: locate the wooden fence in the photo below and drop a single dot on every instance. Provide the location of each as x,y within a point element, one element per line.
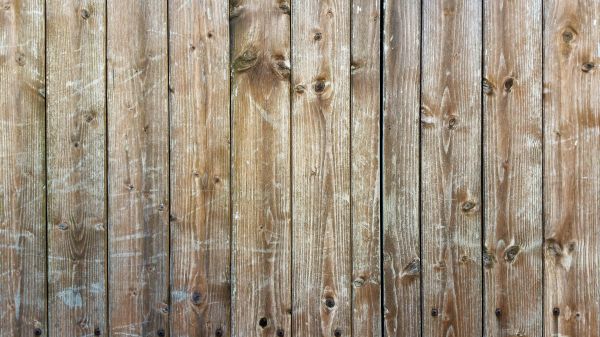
<point>307,168</point>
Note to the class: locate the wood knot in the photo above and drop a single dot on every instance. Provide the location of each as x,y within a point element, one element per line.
<point>452,121</point>
<point>280,333</point>
<point>508,84</point>
<point>556,311</point>
<point>568,35</point>
<point>511,253</point>
<point>219,332</point>
<point>263,322</point>
<point>160,333</point>
<point>20,59</point>
<point>85,14</point>
<point>488,259</point>
<point>329,302</point>
<point>319,86</point>
<point>412,269</point>
<point>587,67</point>
<point>434,312</point>
<point>97,332</point>
<point>468,206</point>
<point>196,298</point>
<point>37,331</point>
<point>245,61</point>
<point>300,88</point>
<point>318,36</point>
<point>285,8</point>
<point>498,312</point>
<point>337,333</point>
<point>63,226</point>
<point>488,87</point>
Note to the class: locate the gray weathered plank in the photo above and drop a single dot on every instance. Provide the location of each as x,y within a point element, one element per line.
<point>451,168</point>
<point>22,169</point>
<point>200,170</point>
<point>401,94</point>
<point>571,174</point>
<point>513,168</point>
<point>138,168</point>
<point>260,101</point>
<point>77,303</point>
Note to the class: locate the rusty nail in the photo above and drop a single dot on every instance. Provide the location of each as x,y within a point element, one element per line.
<point>37,331</point>
<point>97,331</point>
<point>160,333</point>
<point>219,332</point>
<point>434,312</point>
<point>498,312</point>
<point>280,333</point>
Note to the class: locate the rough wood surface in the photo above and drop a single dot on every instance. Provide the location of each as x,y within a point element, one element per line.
<point>571,174</point>
<point>401,246</point>
<point>451,168</point>
<point>260,99</point>
<point>512,85</point>
<point>22,169</point>
<point>365,105</point>
<point>322,225</point>
<point>200,184</point>
<point>138,167</point>
<point>76,167</point>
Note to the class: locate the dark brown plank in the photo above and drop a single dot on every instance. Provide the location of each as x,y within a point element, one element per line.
<point>22,169</point>
<point>200,184</point>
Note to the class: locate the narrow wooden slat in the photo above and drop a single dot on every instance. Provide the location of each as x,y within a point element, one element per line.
<point>22,169</point>
<point>76,167</point>
<point>571,174</point>
<point>138,167</point>
<point>365,105</point>
<point>401,246</point>
<point>513,168</point>
<point>451,168</point>
<point>200,131</point>
<point>321,169</point>
<point>260,102</point>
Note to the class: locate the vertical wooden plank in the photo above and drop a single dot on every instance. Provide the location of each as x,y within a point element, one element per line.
<point>261,167</point>
<point>571,174</point>
<point>76,167</point>
<point>513,168</point>
<point>321,168</point>
<point>365,98</point>
<point>200,185</point>
<point>451,168</point>
<point>401,95</point>
<point>138,167</point>
<point>22,169</point>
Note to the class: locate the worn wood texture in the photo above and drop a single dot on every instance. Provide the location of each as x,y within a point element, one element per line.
<point>260,100</point>
<point>365,181</point>
<point>200,170</point>
<point>571,174</point>
<point>451,168</point>
<point>401,95</point>
<point>138,167</point>
<point>512,86</point>
<point>22,169</point>
<point>76,131</point>
<point>321,169</point>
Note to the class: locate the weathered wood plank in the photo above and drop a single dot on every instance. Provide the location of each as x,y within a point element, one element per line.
<point>321,169</point>
<point>260,103</point>
<point>513,168</point>
<point>76,133</point>
<point>365,180</point>
<point>200,184</point>
<point>22,169</point>
<point>571,174</point>
<point>401,94</point>
<point>451,168</point>
<point>138,167</point>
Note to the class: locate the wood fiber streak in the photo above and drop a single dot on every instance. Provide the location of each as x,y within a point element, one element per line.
<point>451,168</point>
<point>200,185</point>
<point>571,174</point>
<point>365,99</point>
<point>401,246</point>
<point>322,266</point>
<point>77,302</point>
<point>138,168</point>
<point>260,99</point>
<point>22,169</point>
<point>513,168</point>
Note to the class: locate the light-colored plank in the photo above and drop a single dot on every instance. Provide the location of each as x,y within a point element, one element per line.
<point>513,168</point>
<point>138,167</point>
<point>200,185</point>
<point>401,246</point>
<point>260,100</point>
<point>365,100</point>
<point>571,173</point>
<point>451,168</point>
<point>22,169</point>
<point>76,167</point>
<point>322,227</point>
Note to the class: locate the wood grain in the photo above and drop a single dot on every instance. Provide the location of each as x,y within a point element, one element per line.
<point>260,100</point>
<point>321,169</point>
<point>401,95</point>
<point>451,168</point>
<point>76,118</point>
<point>365,105</point>
<point>571,175</point>
<point>138,167</point>
<point>200,173</point>
<point>22,169</point>
<point>513,168</point>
